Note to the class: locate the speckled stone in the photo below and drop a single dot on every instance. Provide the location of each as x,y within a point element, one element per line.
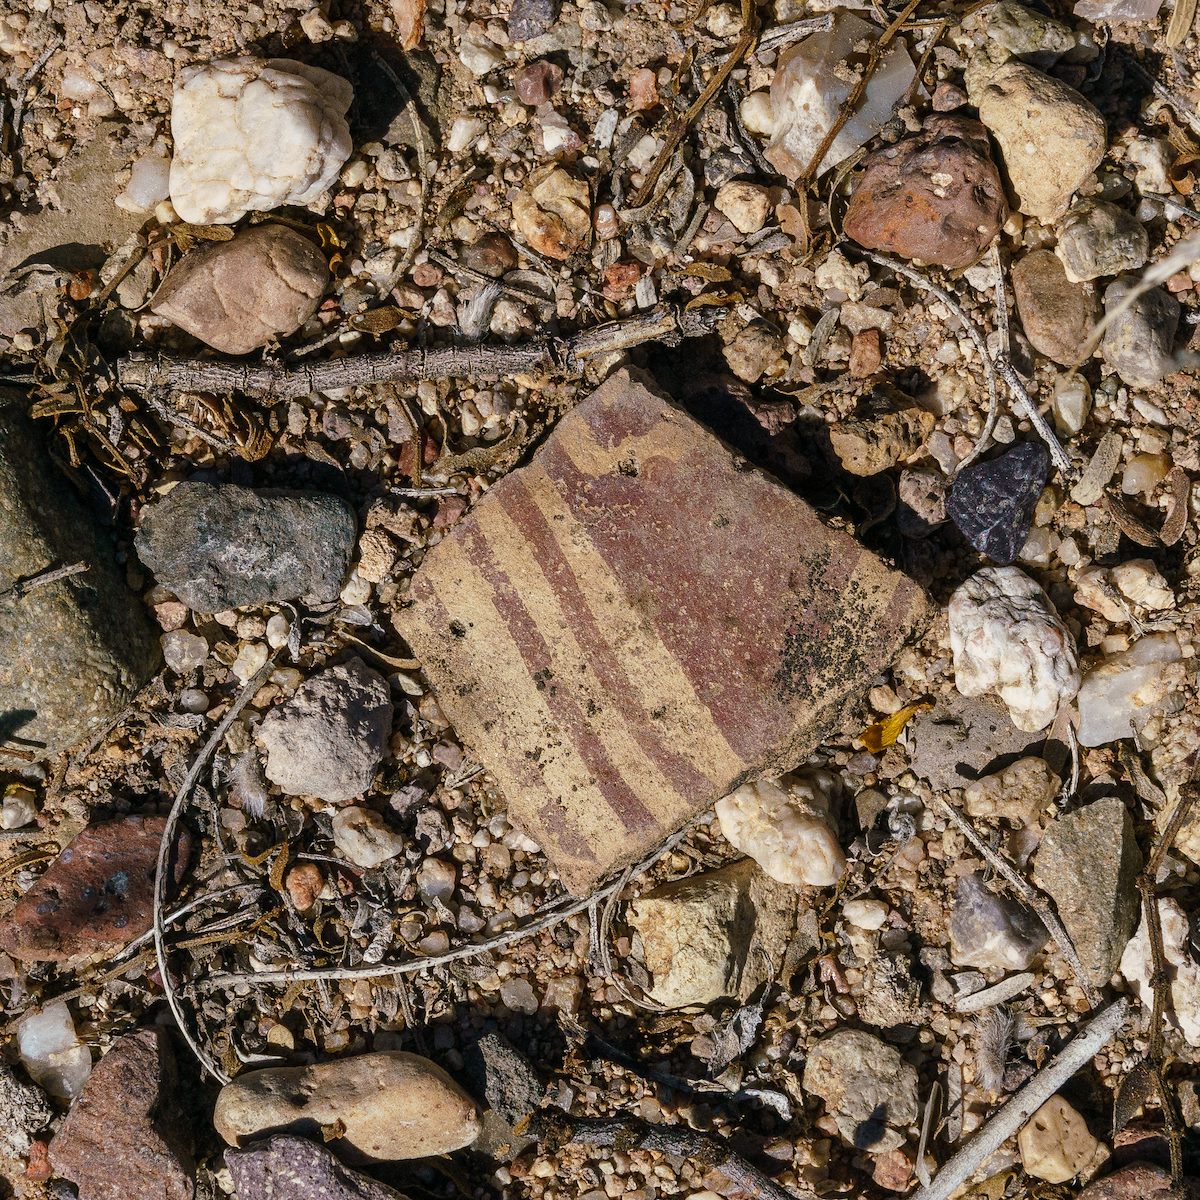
<point>71,653</point>
<point>219,546</point>
<point>128,1115</point>
<point>992,502</point>
<point>637,621</point>
<point>95,897</point>
<point>292,1168</point>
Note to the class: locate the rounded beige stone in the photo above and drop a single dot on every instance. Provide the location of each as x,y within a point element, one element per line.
<point>392,1105</point>
<point>1055,1143</point>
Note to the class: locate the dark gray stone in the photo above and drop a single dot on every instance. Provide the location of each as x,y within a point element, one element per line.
<point>992,502</point>
<point>1088,861</point>
<point>284,1167</point>
<point>501,1075</point>
<point>531,18</point>
<point>72,653</point>
<point>221,546</point>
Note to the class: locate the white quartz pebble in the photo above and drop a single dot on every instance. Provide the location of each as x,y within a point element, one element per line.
<point>1008,639</point>
<point>810,89</point>
<point>1183,972</point>
<point>253,134</point>
<point>51,1051</point>
<point>1125,690</point>
<point>784,827</point>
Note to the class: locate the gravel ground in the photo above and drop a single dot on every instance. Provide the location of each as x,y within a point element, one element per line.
<point>424,216</point>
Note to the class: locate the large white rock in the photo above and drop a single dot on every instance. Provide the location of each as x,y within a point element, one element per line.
<point>1183,972</point>
<point>784,827</point>
<point>1125,690</point>
<point>1008,639</point>
<point>253,134</point>
<point>813,82</point>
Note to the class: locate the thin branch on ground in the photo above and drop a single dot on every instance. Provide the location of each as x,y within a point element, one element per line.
<point>977,338</point>
<point>43,579</point>
<point>1155,1060</point>
<point>167,845</point>
<point>1004,1123</point>
<point>1025,407</point>
<point>998,993</point>
<point>554,1128</point>
<point>283,380</point>
<point>1027,892</point>
<point>554,916</point>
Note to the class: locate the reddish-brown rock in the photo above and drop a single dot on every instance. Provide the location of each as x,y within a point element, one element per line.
<point>637,621</point>
<point>1138,1181</point>
<point>125,1138</point>
<point>95,897</point>
<point>936,196</point>
<point>237,295</point>
<point>538,82</point>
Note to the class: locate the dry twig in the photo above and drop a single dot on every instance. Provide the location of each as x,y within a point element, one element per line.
<point>282,380</point>
<point>1027,892</point>
<point>554,916</point>
<point>167,845</point>
<point>1025,1103</point>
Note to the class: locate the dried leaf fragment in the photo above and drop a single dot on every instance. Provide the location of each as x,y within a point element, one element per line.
<point>883,733</point>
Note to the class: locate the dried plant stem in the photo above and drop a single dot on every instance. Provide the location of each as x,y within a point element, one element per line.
<point>167,845</point>
<point>1025,407</point>
<point>1160,977</point>
<point>43,579</point>
<point>998,993</point>
<point>554,916</point>
<point>555,1128</point>
<point>284,380</point>
<point>1027,892</point>
<point>1003,1124</point>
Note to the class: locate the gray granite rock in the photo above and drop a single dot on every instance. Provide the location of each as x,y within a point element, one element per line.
<point>330,737</point>
<point>72,653</point>
<point>1088,861</point>
<point>284,1167</point>
<point>1137,344</point>
<point>219,546</point>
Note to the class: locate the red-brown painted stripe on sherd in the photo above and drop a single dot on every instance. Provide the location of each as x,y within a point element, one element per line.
<point>637,621</point>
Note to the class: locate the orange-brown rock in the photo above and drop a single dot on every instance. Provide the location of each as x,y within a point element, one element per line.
<point>636,622</point>
<point>1056,314</point>
<point>936,197</point>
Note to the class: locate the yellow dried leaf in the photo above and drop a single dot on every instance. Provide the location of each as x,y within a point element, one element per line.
<point>708,271</point>
<point>714,300</point>
<point>884,733</point>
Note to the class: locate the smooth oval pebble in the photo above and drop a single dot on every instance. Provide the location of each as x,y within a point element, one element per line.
<point>392,1105</point>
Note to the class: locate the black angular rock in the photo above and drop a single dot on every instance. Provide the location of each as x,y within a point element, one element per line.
<point>531,18</point>
<point>219,546</point>
<point>285,1167</point>
<point>992,502</point>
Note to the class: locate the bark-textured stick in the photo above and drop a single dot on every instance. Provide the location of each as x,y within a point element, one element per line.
<point>446,362</point>
<point>1025,1103</point>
